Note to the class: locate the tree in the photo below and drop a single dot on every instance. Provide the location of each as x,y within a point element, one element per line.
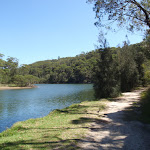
<point>134,14</point>
<point>23,81</point>
<point>8,69</point>
<point>12,64</point>
<point>19,80</point>
<point>24,69</point>
<point>2,62</point>
<point>106,80</point>
<point>146,45</point>
<point>128,68</point>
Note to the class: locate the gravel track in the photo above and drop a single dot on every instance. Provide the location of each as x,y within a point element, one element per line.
<point>113,132</point>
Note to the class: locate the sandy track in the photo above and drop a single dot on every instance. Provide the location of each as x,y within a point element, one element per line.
<point>14,88</point>
<point>113,132</point>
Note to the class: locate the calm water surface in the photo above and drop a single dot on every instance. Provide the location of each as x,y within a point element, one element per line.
<point>20,105</point>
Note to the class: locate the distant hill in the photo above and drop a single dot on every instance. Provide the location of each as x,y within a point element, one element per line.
<point>78,69</point>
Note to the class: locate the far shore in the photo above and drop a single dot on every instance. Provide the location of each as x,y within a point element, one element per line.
<point>15,88</point>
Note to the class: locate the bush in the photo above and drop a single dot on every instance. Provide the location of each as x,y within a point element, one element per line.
<point>23,81</point>
<point>145,106</point>
<point>119,70</point>
<point>106,83</point>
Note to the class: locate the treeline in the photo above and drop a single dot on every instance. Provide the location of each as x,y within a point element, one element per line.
<point>122,69</point>
<point>77,69</point>
<point>10,74</point>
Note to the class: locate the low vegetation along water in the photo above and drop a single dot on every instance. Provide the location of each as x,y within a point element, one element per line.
<point>20,105</point>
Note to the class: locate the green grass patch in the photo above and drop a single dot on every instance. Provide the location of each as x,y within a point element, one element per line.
<point>61,129</point>
<point>145,106</point>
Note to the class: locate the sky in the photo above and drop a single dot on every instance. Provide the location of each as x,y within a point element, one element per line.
<point>36,30</point>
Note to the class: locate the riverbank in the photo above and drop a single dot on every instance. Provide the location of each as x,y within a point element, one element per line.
<point>15,87</point>
<point>89,125</point>
<point>61,129</point>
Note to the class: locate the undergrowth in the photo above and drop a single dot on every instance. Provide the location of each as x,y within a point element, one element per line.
<point>145,106</point>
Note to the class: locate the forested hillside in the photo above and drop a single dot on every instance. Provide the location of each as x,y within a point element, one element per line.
<point>77,69</point>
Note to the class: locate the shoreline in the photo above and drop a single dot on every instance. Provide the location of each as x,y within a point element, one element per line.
<point>16,88</point>
<point>78,125</point>
<point>60,128</point>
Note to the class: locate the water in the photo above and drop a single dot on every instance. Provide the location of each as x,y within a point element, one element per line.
<point>20,105</point>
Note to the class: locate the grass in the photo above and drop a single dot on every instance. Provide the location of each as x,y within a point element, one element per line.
<point>145,106</point>
<point>140,110</point>
<point>61,129</point>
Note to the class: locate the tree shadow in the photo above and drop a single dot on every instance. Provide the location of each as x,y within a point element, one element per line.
<point>77,109</point>
<point>133,112</point>
<point>45,141</point>
<point>83,120</point>
<point>119,133</point>
<point>59,144</point>
<point>116,99</point>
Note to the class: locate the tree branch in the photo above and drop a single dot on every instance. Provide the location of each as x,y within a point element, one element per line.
<point>147,19</point>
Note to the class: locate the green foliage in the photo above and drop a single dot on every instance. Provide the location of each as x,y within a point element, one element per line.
<point>106,82</point>
<point>146,67</point>
<point>145,105</point>
<point>120,69</point>
<point>65,70</point>
<point>12,64</point>
<point>26,80</point>
<point>146,45</point>
<point>8,69</point>
<point>130,13</point>
<point>130,68</point>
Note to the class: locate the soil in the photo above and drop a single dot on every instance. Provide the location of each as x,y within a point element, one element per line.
<point>14,88</point>
<point>114,132</point>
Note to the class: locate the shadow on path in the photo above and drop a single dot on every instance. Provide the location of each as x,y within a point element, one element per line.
<point>119,130</point>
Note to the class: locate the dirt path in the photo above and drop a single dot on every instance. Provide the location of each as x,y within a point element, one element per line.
<point>114,133</point>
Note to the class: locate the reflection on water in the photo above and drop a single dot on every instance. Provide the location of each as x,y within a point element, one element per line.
<point>19,105</point>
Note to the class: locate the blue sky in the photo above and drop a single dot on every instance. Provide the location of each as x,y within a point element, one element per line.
<point>35,30</point>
